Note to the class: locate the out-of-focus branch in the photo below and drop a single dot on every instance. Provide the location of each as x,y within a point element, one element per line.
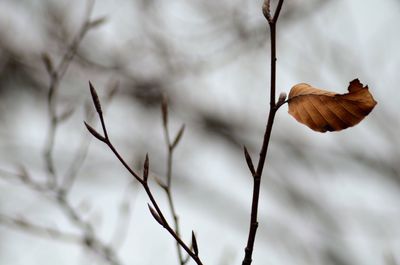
<point>124,217</point>
<point>90,239</point>
<point>47,232</point>
<point>56,74</point>
<point>171,145</point>
<point>24,177</point>
<point>58,192</point>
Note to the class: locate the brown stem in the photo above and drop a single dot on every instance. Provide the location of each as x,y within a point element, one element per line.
<point>267,135</point>
<point>158,213</point>
<point>168,227</point>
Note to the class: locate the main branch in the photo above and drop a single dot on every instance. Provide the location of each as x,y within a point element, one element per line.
<point>274,106</point>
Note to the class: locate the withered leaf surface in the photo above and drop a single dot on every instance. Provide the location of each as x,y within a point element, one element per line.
<point>323,111</point>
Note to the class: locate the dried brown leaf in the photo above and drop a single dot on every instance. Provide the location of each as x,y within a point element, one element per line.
<point>323,111</point>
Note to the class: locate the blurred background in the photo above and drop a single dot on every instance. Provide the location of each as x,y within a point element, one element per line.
<point>329,199</point>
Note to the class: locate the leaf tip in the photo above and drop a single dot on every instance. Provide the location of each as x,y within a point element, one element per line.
<point>356,85</point>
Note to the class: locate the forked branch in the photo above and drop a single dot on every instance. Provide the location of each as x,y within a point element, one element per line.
<point>171,145</point>
<point>153,206</point>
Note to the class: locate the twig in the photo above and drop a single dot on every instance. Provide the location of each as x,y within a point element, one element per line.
<point>56,75</point>
<point>156,211</point>
<point>82,151</point>
<point>90,239</point>
<point>124,216</point>
<point>21,224</point>
<point>58,191</point>
<point>171,145</point>
<point>24,177</point>
<point>274,106</point>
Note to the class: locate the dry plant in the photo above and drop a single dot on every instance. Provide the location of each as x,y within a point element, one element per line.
<point>318,109</point>
<point>155,210</point>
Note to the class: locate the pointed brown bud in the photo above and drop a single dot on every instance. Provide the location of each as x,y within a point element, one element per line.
<point>95,133</point>
<point>48,63</point>
<point>164,110</point>
<point>146,168</point>
<point>194,244</point>
<point>95,97</point>
<point>249,161</point>
<point>178,136</point>
<point>282,97</point>
<point>155,215</point>
<point>266,10</point>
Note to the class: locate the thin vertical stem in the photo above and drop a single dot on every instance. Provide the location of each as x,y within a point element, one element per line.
<point>267,135</point>
<point>167,187</point>
<point>272,27</point>
<point>171,202</point>
<point>56,77</point>
<point>176,226</point>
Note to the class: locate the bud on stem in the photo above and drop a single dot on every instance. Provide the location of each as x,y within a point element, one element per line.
<point>146,168</point>
<point>194,244</point>
<point>95,97</point>
<point>164,110</point>
<point>95,133</point>
<point>266,10</point>
<point>155,215</point>
<point>249,161</point>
